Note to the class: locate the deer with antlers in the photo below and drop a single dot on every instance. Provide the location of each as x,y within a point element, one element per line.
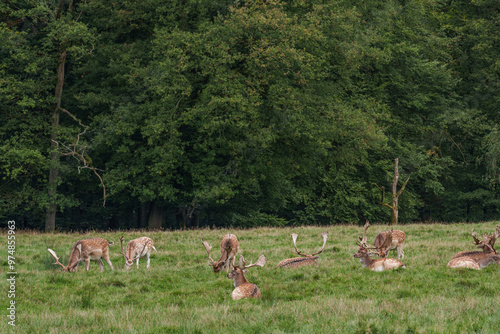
<point>137,248</point>
<point>478,259</point>
<point>243,288</point>
<point>305,260</point>
<point>381,264</point>
<point>93,249</point>
<point>229,246</point>
<point>387,240</point>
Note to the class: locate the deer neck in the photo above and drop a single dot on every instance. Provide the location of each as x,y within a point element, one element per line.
<point>239,279</point>
<point>365,260</point>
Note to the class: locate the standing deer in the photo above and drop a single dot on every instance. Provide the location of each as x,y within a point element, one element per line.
<point>478,259</point>
<point>243,288</point>
<point>86,250</point>
<point>228,247</point>
<point>387,240</point>
<point>376,265</point>
<point>137,248</point>
<point>306,260</point>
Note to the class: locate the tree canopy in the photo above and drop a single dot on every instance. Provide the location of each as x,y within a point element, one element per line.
<point>178,114</point>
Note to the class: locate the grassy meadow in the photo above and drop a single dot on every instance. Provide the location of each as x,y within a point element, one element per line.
<point>181,294</point>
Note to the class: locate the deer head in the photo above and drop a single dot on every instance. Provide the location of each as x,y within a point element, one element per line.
<point>240,269</point>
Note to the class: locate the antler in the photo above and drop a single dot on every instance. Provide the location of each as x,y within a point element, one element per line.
<point>208,248</point>
<point>55,257</point>
<point>363,241</point>
<point>123,252</point>
<point>474,236</point>
<point>260,262</point>
<point>325,237</point>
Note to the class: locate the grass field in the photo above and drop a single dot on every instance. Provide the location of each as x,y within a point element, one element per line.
<point>181,294</point>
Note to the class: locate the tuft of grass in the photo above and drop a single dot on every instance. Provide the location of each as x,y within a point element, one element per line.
<point>181,294</point>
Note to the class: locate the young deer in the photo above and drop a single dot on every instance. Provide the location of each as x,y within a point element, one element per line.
<point>243,288</point>
<point>228,247</point>
<point>86,250</point>
<point>137,248</point>
<point>387,240</point>
<point>376,265</point>
<point>306,260</point>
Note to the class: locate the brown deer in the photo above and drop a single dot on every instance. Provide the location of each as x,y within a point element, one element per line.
<point>228,247</point>
<point>387,240</point>
<point>243,288</point>
<point>137,248</point>
<point>306,260</point>
<point>477,262</point>
<point>487,244</point>
<point>378,264</point>
<point>478,259</point>
<point>85,250</point>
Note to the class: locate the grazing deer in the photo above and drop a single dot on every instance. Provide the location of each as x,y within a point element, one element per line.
<point>137,248</point>
<point>378,264</point>
<point>306,260</point>
<point>86,250</point>
<point>387,240</point>
<point>243,288</point>
<point>228,247</point>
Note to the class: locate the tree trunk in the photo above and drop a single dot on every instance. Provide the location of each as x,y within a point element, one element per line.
<point>156,214</point>
<point>394,195</point>
<point>50,218</point>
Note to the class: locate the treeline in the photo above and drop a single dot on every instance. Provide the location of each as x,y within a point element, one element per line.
<point>187,113</point>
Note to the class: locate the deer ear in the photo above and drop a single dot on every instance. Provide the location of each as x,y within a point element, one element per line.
<point>244,271</point>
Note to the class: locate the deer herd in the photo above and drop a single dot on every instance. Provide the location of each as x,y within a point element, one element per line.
<point>97,249</point>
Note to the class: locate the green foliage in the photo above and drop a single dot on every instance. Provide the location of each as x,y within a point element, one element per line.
<point>250,113</point>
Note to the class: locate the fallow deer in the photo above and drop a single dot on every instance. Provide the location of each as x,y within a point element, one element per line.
<point>378,264</point>
<point>476,262</point>
<point>243,288</point>
<point>85,250</point>
<point>228,247</point>
<point>306,260</point>
<point>387,240</point>
<point>137,248</point>
<point>487,244</point>
<point>478,259</point>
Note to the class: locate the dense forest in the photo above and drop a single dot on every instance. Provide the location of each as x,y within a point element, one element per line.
<point>191,113</point>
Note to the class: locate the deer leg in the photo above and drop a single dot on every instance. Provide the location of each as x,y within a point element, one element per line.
<point>101,265</point>
<point>401,254</point>
<point>106,258</point>
<point>87,263</point>
<point>137,262</point>
<point>147,259</point>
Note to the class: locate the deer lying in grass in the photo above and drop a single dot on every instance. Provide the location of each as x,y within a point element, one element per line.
<point>478,259</point>
<point>306,260</point>
<point>137,248</point>
<point>243,288</point>
<point>378,264</point>
<point>228,247</point>
<point>85,250</point>
<point>387,240</point>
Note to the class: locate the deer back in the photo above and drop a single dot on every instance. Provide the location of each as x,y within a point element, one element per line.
<point>138,247</point>
<point>463,262</point>
<point>298,262</point>
<point>229,247</point>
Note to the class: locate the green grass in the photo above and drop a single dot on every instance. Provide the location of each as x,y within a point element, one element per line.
<point>181,294</point>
